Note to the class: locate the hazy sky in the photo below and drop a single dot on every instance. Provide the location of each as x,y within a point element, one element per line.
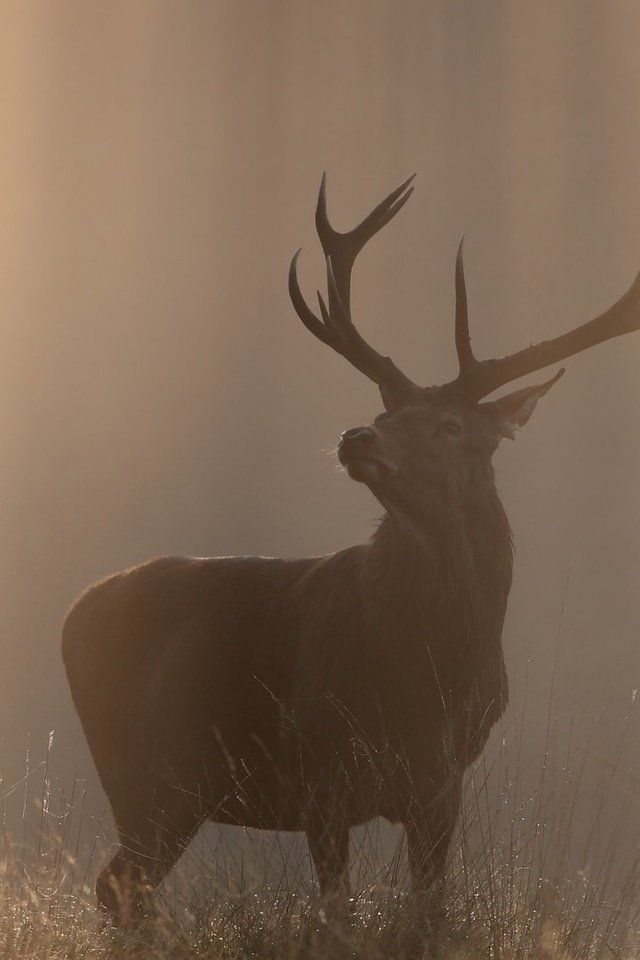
<point>159,166</point>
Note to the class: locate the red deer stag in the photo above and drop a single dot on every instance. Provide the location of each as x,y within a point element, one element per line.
<point>315,694</point>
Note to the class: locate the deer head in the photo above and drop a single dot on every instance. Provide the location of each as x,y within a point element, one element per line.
<point>434,444</point>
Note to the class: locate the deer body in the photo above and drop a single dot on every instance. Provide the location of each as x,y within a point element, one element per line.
<point>315,694</point>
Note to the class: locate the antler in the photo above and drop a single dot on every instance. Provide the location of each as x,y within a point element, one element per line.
<point>477,378</point>
<point>336,328</point>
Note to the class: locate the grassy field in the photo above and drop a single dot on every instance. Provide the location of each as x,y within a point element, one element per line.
<point>528,878</point>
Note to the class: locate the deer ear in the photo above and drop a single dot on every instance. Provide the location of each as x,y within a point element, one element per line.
<point>510,413</point>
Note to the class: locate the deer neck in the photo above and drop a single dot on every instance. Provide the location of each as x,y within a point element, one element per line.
<point>452,566</point>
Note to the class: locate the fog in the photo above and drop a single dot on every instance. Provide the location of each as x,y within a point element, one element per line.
<point>159,167</point>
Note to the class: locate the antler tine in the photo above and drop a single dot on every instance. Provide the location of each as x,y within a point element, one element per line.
<point>308,317</point>
<point>343,248</point>
<point>466,358</point>
<point>336,328</point>
<point>478,378</point>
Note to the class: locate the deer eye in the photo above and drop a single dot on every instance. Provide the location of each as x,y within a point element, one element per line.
<point>452,428</point>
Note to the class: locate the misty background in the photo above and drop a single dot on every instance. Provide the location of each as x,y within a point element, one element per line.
<point>159,165</point>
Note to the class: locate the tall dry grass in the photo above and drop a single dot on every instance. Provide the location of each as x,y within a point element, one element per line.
<point>528,879</point>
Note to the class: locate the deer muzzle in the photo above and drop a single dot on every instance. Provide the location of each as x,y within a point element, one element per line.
<point>360,453</point>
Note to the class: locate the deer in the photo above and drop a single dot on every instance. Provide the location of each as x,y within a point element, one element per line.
<point>315,694</point>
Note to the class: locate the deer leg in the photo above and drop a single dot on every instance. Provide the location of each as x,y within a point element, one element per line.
<point>123,889</point>
<point>429,829</point>
<point>328,839</point>
<point>150,847</point>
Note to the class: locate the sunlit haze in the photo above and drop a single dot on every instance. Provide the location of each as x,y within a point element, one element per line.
<point>159,167</point>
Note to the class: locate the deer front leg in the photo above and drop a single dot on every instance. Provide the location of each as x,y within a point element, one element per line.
<point>328,838</point>
<point>429,828</point>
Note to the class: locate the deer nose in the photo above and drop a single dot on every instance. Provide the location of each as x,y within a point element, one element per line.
<point>358,433</point>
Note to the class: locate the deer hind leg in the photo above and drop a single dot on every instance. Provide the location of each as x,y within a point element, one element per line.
<point>153,836</point>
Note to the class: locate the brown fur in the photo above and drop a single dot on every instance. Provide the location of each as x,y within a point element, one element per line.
<point>315,694</point>
<point>308,694</point>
